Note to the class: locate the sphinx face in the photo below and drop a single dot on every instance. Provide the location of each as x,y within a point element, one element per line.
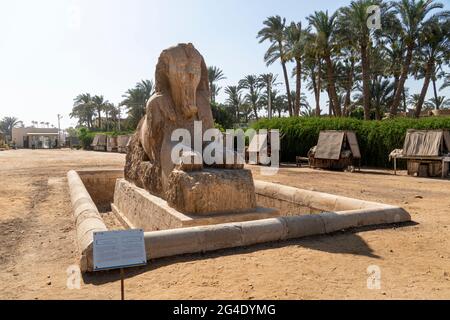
<point>184,78</point>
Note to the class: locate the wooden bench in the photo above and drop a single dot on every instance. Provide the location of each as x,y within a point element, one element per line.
<point>300,160</point>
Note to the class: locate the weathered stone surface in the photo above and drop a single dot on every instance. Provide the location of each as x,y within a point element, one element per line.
<point>181,99</point>
<point>137,208</point>
<point>211,191</point>
<point>87,219</point>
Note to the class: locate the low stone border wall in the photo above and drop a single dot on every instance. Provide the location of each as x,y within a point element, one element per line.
<point>87,219</point>
<point>159,244</point>
<point>316,201</point>
<point>220,236</point>
<point>168,243</point>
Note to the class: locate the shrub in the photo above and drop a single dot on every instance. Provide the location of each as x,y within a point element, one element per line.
<point>86,137</point>
<point>376,138</point>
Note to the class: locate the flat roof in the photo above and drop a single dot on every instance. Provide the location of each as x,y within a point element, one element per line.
<point>42,134</point>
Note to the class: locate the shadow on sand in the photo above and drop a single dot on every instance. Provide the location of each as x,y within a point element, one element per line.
<point>344,242</point>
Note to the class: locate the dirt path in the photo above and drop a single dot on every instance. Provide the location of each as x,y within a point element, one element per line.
<point>37,242</point>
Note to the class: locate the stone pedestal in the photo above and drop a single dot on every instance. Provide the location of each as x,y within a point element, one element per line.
<point>211,191</point>
<point>137,208</point>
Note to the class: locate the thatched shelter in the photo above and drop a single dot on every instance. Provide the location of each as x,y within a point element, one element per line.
<point>335,150</point>
<point>111,144</point>
<point>99,143</point>
<point>427,153</point>
<point>122,143</point>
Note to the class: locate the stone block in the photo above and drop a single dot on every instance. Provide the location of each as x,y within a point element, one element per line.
<point>211,191</point>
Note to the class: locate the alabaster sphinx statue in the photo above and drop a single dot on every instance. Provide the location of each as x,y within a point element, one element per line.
<point>182,98</point>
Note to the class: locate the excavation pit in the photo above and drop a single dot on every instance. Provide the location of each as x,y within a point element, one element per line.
<point>283,213</point>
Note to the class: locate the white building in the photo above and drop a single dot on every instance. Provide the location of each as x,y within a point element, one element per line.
<point>35,138</point>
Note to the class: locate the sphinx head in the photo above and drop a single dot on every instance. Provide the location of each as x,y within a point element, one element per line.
<point>181,72</point>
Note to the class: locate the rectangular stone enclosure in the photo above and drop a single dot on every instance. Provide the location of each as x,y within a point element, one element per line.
<point>137,208</point>
<point>282,213</point>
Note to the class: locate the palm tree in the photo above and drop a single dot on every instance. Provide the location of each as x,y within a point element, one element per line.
<point>110,113</point>
<point>354,31</point>
<point>83,109</point>
<point>434,45</point>
<point>279,102</point>
<point>308,112</point>
<point>136,100</point>
<point>413,100</point>
<point>313,67</point>
<point>325,27</point>
<point>99,104</point>
<point>253,95</point>
<point>446,82</point>
<point>7,124</point>
<point>215,74</point>
<point>147,87</point>
<point>439,103</point>
<point>274,32</point>
<point>381,92</point>
<point>413,19</point>
<point>303,101</point>
<point>234,100</point>
<point>268,81</point>
<point>346,70</point>
<point>296,38</point>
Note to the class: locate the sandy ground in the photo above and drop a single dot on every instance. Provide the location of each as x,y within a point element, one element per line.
<point>37,246</point>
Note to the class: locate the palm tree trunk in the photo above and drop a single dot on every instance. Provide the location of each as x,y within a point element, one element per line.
<point>288,90</point>
<point>298,92</point>
<point>366,81</point>
<point>378,110</point>
<point>332,86</point>
<point>99,111</point>
<point>331,110</point>
<point>348,96</point>
<point>212,92</point>
<point>405,107</point>
<point>316,93</point>
<point>396,78</point>
<point>424,91</point>
<point>255,110</point>
<point>436,97</point>
<point>402,80</point>
<point>347,102</point>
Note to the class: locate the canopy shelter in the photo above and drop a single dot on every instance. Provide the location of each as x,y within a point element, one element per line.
<point>111,144</point>
<point>100,142</point>
<point>427,153</point>
<point>335,150</point>
<point>122,143</point>
<point>331,143</point>
<point>432,143</point>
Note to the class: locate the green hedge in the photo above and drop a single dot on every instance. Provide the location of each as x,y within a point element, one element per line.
<point>376,138</point>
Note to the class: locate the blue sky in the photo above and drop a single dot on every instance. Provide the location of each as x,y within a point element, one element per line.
<point>52,50</point>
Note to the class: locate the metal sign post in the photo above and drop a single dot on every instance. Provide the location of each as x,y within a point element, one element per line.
<point>122,284</point>
<point>119,250</point>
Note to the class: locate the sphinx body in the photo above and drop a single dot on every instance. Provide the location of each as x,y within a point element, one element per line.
<point>181,98</point>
